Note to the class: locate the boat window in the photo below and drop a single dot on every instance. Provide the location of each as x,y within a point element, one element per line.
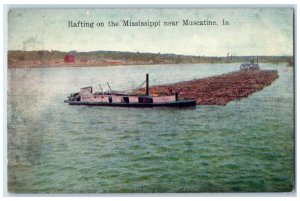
<point>149,100</point>
<point>125,99</point>
<point>110,99</point>
<point>145,100</point>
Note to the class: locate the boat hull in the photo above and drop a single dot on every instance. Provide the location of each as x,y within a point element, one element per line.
<point>179,103</point>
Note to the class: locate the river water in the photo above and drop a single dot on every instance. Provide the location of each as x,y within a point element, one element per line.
<point>245,146</point>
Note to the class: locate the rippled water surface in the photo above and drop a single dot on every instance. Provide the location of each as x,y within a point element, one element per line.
<point>246,146</point>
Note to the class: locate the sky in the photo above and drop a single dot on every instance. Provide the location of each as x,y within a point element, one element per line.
<point>251,31</point>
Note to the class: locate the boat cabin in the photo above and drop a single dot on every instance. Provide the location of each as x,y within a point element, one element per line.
<point>86,95</point>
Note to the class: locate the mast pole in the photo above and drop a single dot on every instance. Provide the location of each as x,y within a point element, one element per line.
<point>101,89</point>
<point>108,86</point>
<point>147,84</point>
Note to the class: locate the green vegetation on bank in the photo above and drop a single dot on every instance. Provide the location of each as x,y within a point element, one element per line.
<point>17,58</point>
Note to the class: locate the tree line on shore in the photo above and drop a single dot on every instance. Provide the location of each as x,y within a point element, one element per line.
<point>44,56</point>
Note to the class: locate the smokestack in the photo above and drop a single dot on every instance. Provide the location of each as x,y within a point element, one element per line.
<point>147,84</point>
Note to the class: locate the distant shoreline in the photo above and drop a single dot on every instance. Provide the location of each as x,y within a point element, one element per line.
<point>40,59</point>
<point>112,65</point>
<point>80,65</point>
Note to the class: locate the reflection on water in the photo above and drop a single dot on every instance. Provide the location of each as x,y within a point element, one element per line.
<point>247,145</point>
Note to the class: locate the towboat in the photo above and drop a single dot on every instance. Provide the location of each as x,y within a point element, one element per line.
<point>250,66</point>
<point>120,99</point>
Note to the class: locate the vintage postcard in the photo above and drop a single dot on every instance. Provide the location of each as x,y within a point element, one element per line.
<point>150,100</point>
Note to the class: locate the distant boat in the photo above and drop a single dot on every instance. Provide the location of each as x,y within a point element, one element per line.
<point>250,66</point>
<point>121,99</point>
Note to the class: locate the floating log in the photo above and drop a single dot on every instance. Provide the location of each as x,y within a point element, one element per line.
<point>219,90</point>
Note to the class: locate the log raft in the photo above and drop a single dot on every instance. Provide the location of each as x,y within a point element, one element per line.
<point>219,90</point>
